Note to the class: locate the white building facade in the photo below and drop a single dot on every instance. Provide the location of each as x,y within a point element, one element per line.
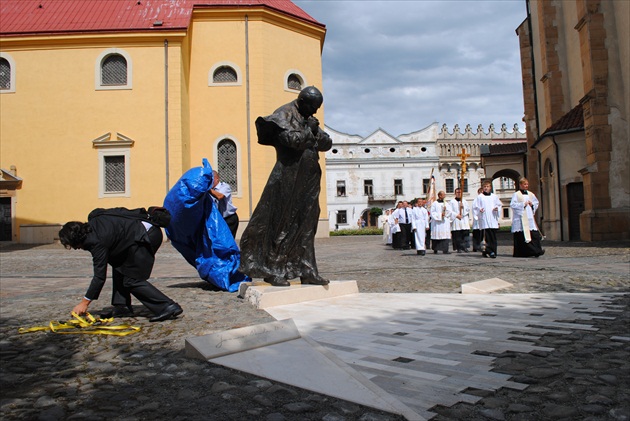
<point>379,170</point>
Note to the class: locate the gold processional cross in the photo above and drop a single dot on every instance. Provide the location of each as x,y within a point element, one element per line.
<point>463,156</point>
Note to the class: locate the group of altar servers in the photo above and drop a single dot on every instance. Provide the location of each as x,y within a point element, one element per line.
<point>438,225</point>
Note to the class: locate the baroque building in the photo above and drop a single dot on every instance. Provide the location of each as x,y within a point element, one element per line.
<point>106,103</point>
<point>379,170</point>
<point>575,59</point>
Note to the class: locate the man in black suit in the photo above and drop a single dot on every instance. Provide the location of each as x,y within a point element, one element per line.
<point>129,245</point>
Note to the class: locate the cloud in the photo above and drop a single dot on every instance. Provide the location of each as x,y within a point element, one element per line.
<point>401,65</point>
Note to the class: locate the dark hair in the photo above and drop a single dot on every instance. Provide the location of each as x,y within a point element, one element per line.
<point>72,235</point>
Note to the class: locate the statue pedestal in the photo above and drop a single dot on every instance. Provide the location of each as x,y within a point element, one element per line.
<point>262,295</point>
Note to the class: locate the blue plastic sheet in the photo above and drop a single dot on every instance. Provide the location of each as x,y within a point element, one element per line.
<point>198,231</point>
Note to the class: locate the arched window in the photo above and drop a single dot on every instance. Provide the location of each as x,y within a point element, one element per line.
<point>227,163</point>
<point>224,74</point>
<point>294,82</point>
<point>114,70</point>
<point>5,73</point>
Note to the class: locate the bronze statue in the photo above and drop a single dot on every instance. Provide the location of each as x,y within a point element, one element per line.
<point>279,241</point>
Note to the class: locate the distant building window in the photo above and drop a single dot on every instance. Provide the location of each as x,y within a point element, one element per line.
<point>465,189</point>
<point>224,74</point>
<point>7,73</point>
<point>341,188</point>
<point>507,184</point>
<point>398,187</point>
<point>506,213</point>
<point>342,217</point>
<point>426,185</point>
<point>368,188</point>
<point>227,163</point>
<point>113,70</point>
<point>450,185</point>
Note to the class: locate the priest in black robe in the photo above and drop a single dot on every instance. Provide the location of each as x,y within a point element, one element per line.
<point>279,241</point>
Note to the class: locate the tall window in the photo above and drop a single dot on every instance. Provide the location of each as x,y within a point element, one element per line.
<point>342,217</point>
<point>426,185</point>
<point>450,185</point>
<point>227,163</point>
<point>368,188</point>
<point>114,71</point>
<point>224,74</point>
<point>114,174</point>
<point>398,187</point>
<point>341,188</point>
<point>5,74</point>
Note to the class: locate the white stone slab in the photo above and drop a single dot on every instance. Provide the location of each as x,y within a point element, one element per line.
<point>243,339</point>
<point>485,286</point>
<point>305,364</point>
<point>263,295</point>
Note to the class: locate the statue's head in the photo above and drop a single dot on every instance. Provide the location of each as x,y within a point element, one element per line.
<point>309,100</point>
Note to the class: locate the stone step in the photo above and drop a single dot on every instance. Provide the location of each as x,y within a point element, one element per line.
<point>263,295</point>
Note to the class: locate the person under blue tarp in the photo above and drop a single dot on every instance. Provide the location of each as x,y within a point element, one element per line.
<point>199,232</point>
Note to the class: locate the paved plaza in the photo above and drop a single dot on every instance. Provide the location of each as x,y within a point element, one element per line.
<point>435,353</point>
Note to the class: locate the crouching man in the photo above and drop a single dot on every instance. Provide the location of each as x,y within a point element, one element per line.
<point>129,246</point>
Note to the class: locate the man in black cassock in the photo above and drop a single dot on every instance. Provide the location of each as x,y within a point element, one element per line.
<point>279,241</point>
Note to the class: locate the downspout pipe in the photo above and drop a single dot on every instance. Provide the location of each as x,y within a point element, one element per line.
<point>166,152</point>
<point>248,112</point>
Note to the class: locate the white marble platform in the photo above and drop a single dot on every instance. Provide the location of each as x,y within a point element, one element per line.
<point>413,351</point>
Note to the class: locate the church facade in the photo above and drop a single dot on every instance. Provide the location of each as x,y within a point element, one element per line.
<point>380,169</point>
<point>575,58</point>
<point>107,104</point>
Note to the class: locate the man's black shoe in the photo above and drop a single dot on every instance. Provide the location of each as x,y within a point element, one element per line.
<point>118,311</point>
<point>171,311</point>
<point>492,255</point>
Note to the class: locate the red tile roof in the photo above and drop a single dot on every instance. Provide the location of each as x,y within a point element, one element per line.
<point>516,148</point>
<point>29,17</point>
<point>573,120</point>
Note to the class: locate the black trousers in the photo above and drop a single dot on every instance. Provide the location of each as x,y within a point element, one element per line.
<point>232,223</point>
<point>125,286</point>
<point>490,235</point>
<point>477,238</point>
<point>405,230</point>
<point>460,239</point>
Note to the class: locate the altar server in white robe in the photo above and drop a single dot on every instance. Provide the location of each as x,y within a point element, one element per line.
<point>488,208</point>
<point>524,229</point>
<point>420,225</point>
<point>441,218</point>
<point>476,232</point>
<point>460,227</point>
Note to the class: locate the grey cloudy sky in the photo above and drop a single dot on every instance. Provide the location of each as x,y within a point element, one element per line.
<point>401,65</point>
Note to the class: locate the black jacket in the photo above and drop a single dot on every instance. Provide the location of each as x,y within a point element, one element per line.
<point>121,242</point>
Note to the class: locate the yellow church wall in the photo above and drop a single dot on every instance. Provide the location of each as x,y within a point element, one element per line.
<point>221,111</point>
<point>49,123</point>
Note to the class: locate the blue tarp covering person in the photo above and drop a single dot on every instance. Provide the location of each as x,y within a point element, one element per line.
<point>199,232</point>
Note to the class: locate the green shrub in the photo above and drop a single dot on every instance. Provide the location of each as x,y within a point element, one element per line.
<point>362,231</point>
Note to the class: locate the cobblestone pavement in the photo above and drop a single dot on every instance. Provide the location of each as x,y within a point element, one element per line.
<point>146,376</point>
